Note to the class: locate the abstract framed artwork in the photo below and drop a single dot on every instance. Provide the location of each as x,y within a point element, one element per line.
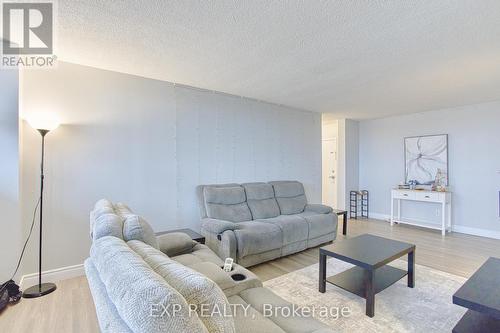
<point>424,157</point>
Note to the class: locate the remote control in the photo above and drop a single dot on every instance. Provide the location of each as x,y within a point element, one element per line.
<point>228,264</point>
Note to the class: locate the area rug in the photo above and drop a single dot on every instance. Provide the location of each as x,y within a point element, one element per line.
<point>426,308</point>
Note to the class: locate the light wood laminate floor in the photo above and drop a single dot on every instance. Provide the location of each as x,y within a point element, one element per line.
<point>70,308</point>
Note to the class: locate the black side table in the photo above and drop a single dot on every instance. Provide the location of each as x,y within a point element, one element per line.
<point>344,214</point>
<point>191,233</point>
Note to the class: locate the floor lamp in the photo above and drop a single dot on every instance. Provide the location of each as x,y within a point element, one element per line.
<point>43,126</point>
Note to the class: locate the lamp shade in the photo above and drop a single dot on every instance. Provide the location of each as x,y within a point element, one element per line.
<point>43,122</point>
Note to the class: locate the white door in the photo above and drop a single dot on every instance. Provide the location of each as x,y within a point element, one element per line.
<point>330,172</point>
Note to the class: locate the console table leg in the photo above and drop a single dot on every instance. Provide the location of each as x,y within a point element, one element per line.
<point>411,269</point>
<point>443,219</point>
<point>370,292</point>
<point>322,273</point>
<point>392,211</point>
<point>344,227</point>
<point>399,209</point>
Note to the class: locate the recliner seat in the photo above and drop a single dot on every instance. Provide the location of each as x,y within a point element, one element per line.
<point>134,275</point>
<point>257,222</point>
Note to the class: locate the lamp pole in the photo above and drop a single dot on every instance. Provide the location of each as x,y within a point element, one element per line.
<point>42,288</point>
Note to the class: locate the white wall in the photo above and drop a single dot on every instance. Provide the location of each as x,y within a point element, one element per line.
<point>348,160</point>
<point>474,162</point>
<point>352,157</point>
<point>9,173</point>
<point>148,143</point>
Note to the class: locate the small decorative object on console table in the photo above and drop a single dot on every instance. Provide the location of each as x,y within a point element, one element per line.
<point>370,254</point>
<point>442,198</point>
<point>193,234</point>
<point>481,295</point>
<point>439,182</point>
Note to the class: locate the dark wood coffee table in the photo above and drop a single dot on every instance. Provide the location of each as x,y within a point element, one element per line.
<point>371,275</point>
<point>481,295</point>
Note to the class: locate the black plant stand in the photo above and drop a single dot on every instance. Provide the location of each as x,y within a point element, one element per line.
<point>357,199</point>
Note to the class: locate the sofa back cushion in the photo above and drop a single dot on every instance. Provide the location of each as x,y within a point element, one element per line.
<point>290,196</point>
<point>202,294</point>
<point>138,292</point>
<point>104,221</point>
<point>226,203</point>
<point>135,227</point>
<point>261,200</point>
<point>200,196</point>
<point>108,225</point>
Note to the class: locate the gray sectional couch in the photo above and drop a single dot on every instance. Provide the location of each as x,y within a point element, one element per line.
<point>257,222</point>
<point>143,283</point>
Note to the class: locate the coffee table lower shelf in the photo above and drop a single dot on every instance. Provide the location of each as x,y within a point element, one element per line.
<point>473,321</point>
<point>353,279</point>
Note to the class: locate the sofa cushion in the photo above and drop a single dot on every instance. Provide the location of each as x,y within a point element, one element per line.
<point>122,209</point>
<point>200,253</point>
<point>319,224</point>
<point>293,228</point>
<point>198,290</point>
<point>261,200</point>
<point>254,237</point>
<point>290,196</point>
<point>175,243</point>
<point>259,298</point>
<point>200,196</point>
<point>319,208</point>
<point>137,228</point>
<point>227,203</point>
<point>136,290</point>
<point>108,224</point>
<point>109,318</point>
<point>249,320</point>
<point>103,206</point>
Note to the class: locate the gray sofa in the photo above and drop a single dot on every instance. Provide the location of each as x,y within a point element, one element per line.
<point>257,222</point>
<point>143,283</point>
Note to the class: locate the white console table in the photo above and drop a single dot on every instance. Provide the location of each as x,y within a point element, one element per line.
<point>442,198</point>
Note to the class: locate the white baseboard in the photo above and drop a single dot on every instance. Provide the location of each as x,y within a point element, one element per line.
<point>455,228</point>
<point>476,231</point>
<point>53,275</point>
<point>378,216</point>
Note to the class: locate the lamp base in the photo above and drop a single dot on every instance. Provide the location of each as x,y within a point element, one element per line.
<point>39,290</point>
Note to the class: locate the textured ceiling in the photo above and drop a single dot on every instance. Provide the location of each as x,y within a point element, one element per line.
<point>356,59</point>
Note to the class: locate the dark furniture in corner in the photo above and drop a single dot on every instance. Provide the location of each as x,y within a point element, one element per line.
<point>371,275</point>
<point>193,234</point>
<point>481,295</point>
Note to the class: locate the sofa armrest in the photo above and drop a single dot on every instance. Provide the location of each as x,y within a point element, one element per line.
<point>220,237</point>
<point>175,243</point>
<point>217,226</point>
<point>318,208</point>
